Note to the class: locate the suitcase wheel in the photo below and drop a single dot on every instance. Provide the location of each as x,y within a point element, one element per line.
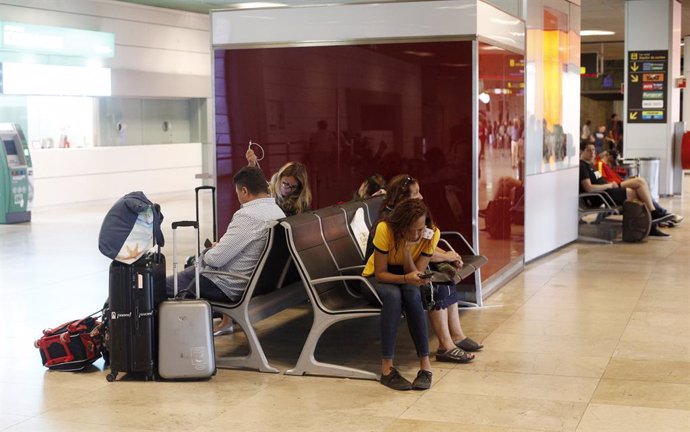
<point>111,376</point>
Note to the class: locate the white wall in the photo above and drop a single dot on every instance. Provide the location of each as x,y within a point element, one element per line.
<point>67,176</point>
<point>158,52</point>
<point>649,26</point>
<point>551,218</point>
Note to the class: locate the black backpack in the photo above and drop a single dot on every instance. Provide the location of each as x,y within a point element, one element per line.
<point>637,221</point>
<point>498,218</point>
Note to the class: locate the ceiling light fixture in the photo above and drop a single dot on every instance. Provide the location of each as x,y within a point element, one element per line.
<point>258,5</point>
<point>596,33</point>
<point>419,53</point>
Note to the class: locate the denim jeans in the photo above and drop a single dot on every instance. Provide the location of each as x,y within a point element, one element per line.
<point>395,299</point>
<point>208,289</point>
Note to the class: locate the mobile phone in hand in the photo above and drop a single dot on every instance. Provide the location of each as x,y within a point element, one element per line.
<point>427,275</point>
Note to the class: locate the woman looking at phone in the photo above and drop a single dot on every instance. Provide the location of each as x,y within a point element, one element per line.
<point>403,245</point>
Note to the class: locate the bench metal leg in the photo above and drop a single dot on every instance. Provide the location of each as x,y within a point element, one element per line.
<point>307,363</point>
<point>256,359</point>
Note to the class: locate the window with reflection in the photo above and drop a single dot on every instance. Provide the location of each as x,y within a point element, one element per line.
<point>348,112</point>
<point>501,157</point>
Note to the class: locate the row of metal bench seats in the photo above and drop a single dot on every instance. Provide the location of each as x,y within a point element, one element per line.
<point>312,256</point>
<point>602,228</point>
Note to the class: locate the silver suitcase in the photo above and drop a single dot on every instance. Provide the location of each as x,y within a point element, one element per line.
<point>185,340</point>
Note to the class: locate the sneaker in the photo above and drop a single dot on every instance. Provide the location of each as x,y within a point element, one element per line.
<point>396,381</point>
<point>660,216</point>
<point>677,219</point>
<point>423,380</point>
<point>656,232</point>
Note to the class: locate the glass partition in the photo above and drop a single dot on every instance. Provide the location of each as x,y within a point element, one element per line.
<point>501,157</point>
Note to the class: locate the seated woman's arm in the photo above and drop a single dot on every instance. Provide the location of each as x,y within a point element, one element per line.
<point>383,275</point>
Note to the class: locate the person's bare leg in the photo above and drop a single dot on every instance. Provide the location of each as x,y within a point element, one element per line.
<point>439,322</point>
<point>425,363</point>
<point>454,326</point>
<point>386,365</point>
<point>641,191</point>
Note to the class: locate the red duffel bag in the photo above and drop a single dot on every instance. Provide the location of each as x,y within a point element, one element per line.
<point>72,346</point>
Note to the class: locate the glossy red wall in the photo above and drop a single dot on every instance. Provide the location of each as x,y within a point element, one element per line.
<point>389,108</point>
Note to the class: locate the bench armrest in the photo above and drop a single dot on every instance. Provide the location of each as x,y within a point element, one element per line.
<point>605,198</point>
<point>346,278</point>
<point>456,234</point>
<point>352,268</point>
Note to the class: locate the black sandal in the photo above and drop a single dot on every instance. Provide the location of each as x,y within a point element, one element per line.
<point>469,345</point>
<point>454,356</point>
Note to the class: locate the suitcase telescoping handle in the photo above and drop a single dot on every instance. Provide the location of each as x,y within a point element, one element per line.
<point>197,262</point>
<point>213,203</point>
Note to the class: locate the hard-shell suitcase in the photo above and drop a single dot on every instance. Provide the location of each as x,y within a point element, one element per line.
<point>131,313</point>
<point>185,349</point>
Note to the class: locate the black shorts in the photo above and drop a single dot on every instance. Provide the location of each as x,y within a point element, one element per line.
<point>618,195</point>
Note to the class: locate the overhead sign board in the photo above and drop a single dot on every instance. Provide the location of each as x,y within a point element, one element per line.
<point>29,38</point>
<point>37,79</point>
<point>647,86</point>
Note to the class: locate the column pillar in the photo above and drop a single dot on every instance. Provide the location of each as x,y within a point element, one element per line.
<point>652,65</point>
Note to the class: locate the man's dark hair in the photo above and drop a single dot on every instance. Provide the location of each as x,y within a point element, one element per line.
<point>252,178</point>
<point>584,144</point>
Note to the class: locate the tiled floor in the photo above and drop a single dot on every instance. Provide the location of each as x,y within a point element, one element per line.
<point>591,338</point>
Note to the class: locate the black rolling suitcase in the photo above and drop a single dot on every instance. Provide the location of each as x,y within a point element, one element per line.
<point>132,322</point>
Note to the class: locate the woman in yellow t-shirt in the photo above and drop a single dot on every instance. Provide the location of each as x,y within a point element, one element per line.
<point>403,245</point>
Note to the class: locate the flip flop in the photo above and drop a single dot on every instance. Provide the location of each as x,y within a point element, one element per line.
<point>469,345</point>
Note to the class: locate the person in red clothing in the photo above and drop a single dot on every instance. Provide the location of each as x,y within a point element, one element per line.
<point>603,165</point>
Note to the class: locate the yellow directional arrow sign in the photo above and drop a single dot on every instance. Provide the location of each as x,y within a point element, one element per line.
<point>633,115</point>
<point>634,67</point>
<point>635,78</point>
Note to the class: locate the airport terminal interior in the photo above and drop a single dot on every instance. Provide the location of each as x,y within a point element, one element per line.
<point>102,97</point>
<point>591,338</point>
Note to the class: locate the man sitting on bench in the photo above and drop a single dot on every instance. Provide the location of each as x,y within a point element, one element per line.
<point>591,180</point>
<point>239,250</point>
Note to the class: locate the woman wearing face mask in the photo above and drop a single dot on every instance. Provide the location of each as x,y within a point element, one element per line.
<point>289,186</point>
<point>401,255</point>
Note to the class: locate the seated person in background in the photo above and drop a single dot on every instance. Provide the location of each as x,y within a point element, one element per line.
<point>372,186</point>
<point>591,180</point>
<point>239,249</point>
<point>604,165</point>
<point>289,186</point>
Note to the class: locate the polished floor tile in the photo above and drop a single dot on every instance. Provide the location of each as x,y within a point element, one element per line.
<point>611,418</point>
<point>591,338</point>
<point>643,393</point>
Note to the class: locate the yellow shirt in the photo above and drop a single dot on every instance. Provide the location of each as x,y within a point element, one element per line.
<point>384,242</point>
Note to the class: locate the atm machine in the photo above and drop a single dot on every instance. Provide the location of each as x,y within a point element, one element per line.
<point>16,175</point>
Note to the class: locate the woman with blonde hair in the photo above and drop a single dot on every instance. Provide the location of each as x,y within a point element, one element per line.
<point>289,186</point>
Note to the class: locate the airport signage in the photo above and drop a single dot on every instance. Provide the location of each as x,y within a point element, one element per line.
<point>27,38</point>
<point>647,86</point>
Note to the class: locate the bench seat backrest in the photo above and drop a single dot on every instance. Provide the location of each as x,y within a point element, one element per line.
<point>314,261</point>
<point>336,232</point>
